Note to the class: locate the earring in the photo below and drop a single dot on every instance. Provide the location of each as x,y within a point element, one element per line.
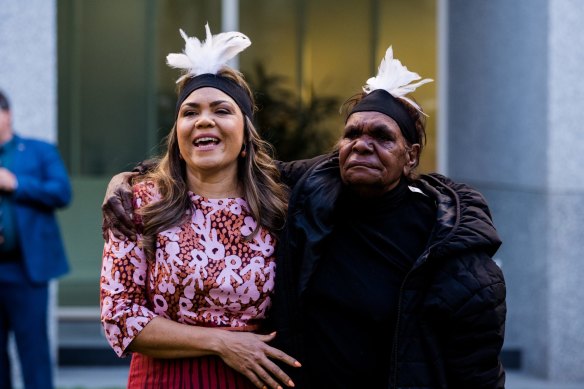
<point>243,153</point>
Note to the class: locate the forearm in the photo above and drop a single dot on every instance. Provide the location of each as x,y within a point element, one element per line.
<point>290,172</point>
<point>164,338</point>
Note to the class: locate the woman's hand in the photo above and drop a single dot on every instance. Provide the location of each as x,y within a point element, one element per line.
<point>250,354</point>
<point>117,209</point>
<point>245,352</point>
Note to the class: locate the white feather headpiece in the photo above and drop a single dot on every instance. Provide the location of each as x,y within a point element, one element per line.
<point>208,56</point>
<point>396,79</point>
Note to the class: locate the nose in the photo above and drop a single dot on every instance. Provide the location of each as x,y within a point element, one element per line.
<point>363,145</point>
<point>204,120</point>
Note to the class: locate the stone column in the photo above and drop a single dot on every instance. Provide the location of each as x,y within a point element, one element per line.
<point>28,65</point>
<point>515,98</point>
<point>28,75</point>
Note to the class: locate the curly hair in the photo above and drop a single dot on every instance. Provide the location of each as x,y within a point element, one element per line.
<point>259,177</point>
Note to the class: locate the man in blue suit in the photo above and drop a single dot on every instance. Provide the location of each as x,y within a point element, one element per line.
<point>33,183</point>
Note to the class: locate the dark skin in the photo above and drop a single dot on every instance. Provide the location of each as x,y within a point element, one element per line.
<point>374,155</point>
<point>117,209</point>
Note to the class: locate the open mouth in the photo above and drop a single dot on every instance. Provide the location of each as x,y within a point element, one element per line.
<point>206,141</point>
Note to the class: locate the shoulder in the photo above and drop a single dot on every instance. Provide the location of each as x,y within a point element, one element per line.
<point>33,144</point>
<point>464,214</point>
<point>144,193</point>
<point>467,194</point>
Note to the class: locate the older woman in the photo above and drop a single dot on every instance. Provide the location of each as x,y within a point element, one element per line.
<point>385,279</point>
<point>188,298</point>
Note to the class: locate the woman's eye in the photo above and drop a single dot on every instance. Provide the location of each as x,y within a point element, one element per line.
<point>351,135</point>
<point>383,136</point>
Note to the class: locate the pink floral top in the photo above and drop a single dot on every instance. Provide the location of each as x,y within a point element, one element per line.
<point>204,272</point>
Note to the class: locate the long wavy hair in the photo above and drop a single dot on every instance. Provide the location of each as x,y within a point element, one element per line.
<point>418,118</point>
<point>265,195</point>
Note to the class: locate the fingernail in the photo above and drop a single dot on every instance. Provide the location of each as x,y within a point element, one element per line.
<point>297,364</point>
<point>279,387</point>
<point>290,383</point>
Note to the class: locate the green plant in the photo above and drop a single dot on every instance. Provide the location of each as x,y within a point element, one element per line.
<point>294,127</point>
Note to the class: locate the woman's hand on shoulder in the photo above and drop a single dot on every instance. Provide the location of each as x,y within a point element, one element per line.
<point>250,354</point>
<point>117,209</point>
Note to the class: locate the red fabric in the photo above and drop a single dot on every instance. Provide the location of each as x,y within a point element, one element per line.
<point>208,372</point>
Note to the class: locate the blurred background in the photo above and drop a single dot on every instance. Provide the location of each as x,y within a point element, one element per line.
<point>505,115</point>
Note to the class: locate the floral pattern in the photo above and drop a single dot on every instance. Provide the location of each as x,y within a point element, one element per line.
<point>204,272</point>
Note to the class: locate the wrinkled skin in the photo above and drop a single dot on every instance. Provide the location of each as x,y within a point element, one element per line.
<point>373,154</point>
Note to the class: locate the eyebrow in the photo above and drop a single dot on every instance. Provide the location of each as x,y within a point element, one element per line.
<point>369,126</point>
<point>382,127</point>
<point>353,127</point>
<point>213,104</point>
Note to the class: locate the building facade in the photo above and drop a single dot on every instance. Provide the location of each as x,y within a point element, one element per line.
<point>504,117</point>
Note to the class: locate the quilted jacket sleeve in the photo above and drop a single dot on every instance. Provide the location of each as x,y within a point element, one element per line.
<point>290,172</point>
<point>471,300</point>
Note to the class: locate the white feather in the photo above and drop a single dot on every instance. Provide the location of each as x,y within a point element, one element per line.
<point>395,79</point>
<point>210,55</point>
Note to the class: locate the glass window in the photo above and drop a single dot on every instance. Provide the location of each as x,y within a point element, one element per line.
<point>117,96</point>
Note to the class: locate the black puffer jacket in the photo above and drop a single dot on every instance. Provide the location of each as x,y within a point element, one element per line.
<point>451,311</point>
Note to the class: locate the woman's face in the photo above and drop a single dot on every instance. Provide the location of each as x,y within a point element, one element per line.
<point>373,153</point>
<point>210,133</point>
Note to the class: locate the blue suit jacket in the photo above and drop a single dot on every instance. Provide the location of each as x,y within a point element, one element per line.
<point>43,186</point>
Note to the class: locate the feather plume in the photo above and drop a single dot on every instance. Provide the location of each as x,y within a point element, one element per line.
<point>208,56</point>
<point>395,79</point>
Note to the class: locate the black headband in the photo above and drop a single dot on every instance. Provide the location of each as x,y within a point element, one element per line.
<point>382,101</point>
<point>224,84</point>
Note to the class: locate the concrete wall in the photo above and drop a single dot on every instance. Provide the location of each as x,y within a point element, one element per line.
<point>28,65</point>
<point>566,187</point>
<point>515,107</point>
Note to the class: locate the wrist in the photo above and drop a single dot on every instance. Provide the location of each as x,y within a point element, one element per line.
<point>215,341</point>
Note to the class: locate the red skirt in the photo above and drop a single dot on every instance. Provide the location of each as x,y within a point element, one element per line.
<point>209,372</point>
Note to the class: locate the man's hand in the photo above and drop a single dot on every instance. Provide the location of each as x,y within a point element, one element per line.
<point>8,182</point>
<point>117,209</point>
